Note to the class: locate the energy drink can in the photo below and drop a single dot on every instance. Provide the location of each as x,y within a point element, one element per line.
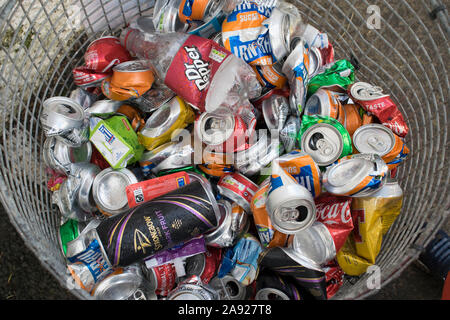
<point>161,223</point>
<point>290,206</point>
<point>378,139</point>
<point>302,167</point>
<point>272,286</point>
<point>324,139</point>
<point>127,283</point>
<point>165,122</point>
<point>238,188</point>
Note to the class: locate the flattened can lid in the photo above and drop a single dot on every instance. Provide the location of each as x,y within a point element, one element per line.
<point>323,142</point>
<point>374,138</point>
<point>109,189</point>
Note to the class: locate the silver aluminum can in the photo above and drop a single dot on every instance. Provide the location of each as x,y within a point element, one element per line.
<point>180,156</point>
<point>229,288</point>
<point>271,294</point>
<point>358,175</point>
<point>214,129</point>
<point>325,103</point>
<point>323,142</point>
<point>127,283</point>
<point>374,138</point>
<point>288,135</point>
<point>249,162</point>
<point>315,61</point>
<point>291,208</point>
<point>65,118</point>
<point>59,156</point>
<point>109,190</point>
<point>314,246</point>
<point>275,111</point>
<point>86,173</point>
<point>232,224</point>
<point>279,33</point>
<point>193,289</point>
<point>165,16</point>
<point>104,108</point>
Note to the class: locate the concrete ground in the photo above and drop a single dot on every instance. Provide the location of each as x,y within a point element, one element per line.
<point>23,278</point>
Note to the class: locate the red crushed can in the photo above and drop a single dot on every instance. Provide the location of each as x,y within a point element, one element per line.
<point>104,53</point>
<point>147,190</point>
<point>373,100</point>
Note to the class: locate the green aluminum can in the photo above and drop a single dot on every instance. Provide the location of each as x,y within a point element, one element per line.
<point>325,139</point>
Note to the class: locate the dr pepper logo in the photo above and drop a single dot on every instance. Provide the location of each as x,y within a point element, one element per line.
<point>198,71</point>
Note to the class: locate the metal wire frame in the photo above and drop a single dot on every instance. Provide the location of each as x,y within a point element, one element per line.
<point>407,57</point>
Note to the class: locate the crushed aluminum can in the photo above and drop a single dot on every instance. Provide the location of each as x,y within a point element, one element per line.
<point>193,289</point>
<point>279,33</point>
<point>165,122</point>
<point>229,288</point>
<point>163,278</point>
<point>109,190</point>
<point>315,61</point>
<point>233,223</point>
<point>288,135</point>
<point>65,118</point>
<point>165,16</point>
<point>198,9</point>
<point>87,78</point>
<point>313,247</point>
<point>153,99</point>
<point>325,103</point>
<point>222,131</point>
<point>357,175</point>
<point>104,108</point>
<point>73,196</point>
<point>373,100</point>
<point>127,283</point>
<point>238,188</point>
<point>273,286</point>
<point>87,261</point>
<point>104,53</point>
<point>296,68</point>
<point>325,141</point>
<point>204,264</point>
<point>290,205</point>
<point>275,110</point>
<point>59,156</point>
<point>353,118</point>
<point>378,139</point>
<point>270,76</point>
<point>251,161</point>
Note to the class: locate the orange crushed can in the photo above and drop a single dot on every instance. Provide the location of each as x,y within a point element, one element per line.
<point>133,115</point>
<point>216,170</point>
<point>192,10</point>
<point>129,79</point>
<point>268,235</point>
<point>352,118</point>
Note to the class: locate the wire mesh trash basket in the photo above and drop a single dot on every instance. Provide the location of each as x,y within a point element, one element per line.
<point>398,45</point>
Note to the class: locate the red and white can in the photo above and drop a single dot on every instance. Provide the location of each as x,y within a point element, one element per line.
<point>85,77</point>
<point>238,188</point>
<point>222,131</point>
<point>164,278</point>
<point>104,53</point>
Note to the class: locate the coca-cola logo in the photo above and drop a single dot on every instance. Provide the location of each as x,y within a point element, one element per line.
<point>197,71</point>
<point>335,213</point>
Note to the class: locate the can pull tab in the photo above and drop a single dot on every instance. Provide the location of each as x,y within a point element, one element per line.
<point>376,143</point>
<point>319,143</point>
<point>297,214</point>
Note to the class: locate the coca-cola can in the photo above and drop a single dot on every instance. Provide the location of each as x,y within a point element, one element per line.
<point>104,53</point>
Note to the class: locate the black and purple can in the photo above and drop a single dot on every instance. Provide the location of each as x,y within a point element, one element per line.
<point>160,224</point>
